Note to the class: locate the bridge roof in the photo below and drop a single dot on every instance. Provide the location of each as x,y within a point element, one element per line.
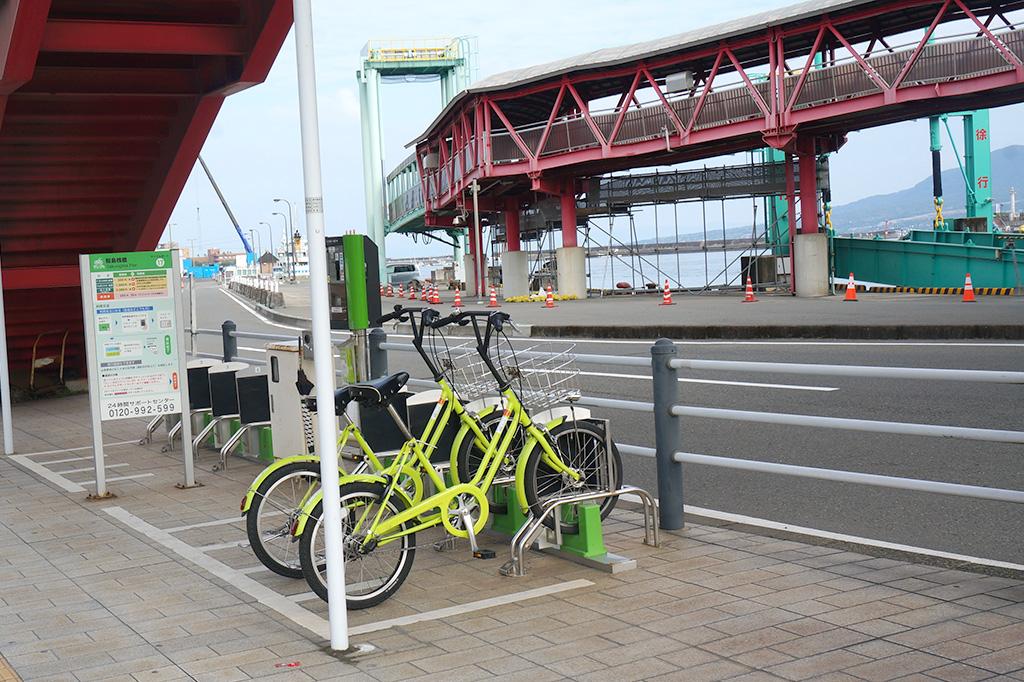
<point>910,16</point>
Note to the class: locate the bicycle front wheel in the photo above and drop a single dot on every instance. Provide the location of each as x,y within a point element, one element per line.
<point>275,506</point>
<point>582,447</point>
<point>371,576</point>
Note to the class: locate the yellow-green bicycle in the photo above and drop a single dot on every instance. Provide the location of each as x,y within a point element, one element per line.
<point>276,496</point>
<point>380,518</point>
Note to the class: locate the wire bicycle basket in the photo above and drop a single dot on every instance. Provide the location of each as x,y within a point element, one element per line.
<point>541,374</point>
<point>461,365</point>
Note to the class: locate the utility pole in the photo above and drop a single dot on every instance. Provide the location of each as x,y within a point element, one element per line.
<point>291,237</point>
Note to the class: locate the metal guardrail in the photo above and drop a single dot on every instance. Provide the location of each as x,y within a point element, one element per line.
<point>667,413</point>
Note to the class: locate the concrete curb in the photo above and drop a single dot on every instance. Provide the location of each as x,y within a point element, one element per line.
<point>925,332</point>
<point>874,332</point>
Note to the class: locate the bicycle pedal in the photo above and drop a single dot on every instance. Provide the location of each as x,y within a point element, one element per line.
<point>484,554</point>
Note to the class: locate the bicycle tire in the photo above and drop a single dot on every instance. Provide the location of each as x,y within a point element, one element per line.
<point>314,571</point>
<point>257,539</point>
<point>469,456</point>
<point>581,444</point>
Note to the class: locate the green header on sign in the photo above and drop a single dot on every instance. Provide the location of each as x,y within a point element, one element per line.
<point>137,260</point>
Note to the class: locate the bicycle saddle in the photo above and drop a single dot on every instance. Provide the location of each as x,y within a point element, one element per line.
<point>378,392</point>
<point>342,397</point>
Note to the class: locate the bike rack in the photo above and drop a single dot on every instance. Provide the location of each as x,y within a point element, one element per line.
<point>613,563</point>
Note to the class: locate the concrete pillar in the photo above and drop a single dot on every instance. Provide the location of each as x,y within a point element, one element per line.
<point>467,266</point>
<point>373,162</point>
<point>811,255</point>
<point>515,267</point>
<point>808,194</point>
<point>569,219</point>
<point>572,271</point>
<point>512,242</point>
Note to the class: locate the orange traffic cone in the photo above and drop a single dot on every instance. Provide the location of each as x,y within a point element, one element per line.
<point>412,293</point>
<point>458,300</point>
<point>423,293</point>
<point>493,302</point>
<point>549,301</point>
<point>401,291</point>
<point>851,291</point>
<point>391,291</point>
<point>968,291</point>
<point>748,296</point>
<point>666,295</point>
<point>381,289</point>
<point>435,295</point>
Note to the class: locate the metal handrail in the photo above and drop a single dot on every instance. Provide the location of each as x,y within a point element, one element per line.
<point>262,336</point>
<point>898,428</point>
<point>860,371</point>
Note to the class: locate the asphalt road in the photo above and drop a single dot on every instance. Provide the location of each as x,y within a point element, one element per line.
<point>978,528</point>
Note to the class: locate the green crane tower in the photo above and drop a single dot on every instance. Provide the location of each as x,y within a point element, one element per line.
<point>448,61</point>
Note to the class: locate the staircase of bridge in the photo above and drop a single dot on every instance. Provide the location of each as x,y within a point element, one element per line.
<point>104,107</point>
<point>796,80</point>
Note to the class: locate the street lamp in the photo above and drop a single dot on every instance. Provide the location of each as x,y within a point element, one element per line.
<point>170,235</point>
<point>254,237</point>
<point>285,244</point>
<point>291,237</point>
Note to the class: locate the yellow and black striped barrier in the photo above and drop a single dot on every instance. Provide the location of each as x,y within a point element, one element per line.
<point>950,291</point>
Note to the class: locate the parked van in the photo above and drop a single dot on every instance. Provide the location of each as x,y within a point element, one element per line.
<point>403,273</point>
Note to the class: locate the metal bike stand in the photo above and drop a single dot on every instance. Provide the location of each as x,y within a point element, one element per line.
<point>151,428</point>
<point>516,566</point>
<point>174,430</point>
<point>232,443</point>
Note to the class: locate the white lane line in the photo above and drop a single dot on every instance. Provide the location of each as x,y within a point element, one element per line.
<point>39,470</point>
<point>205,524</point>
<point>83,469</point>
<point>236,579</point>
<point>84,447</point>
<point>119,478</point>
<point>839,537</point>
<point>470,607</point>
<point>718,382</point>
<point>223,545</point>
<point>252,311</point>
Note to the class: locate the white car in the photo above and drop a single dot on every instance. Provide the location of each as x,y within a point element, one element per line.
<point>403,273</point>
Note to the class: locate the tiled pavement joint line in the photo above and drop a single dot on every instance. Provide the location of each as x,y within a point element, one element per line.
<point>438,614</point>
<point>84,469</point>
<point>264,595</point>
<point>39,470</point>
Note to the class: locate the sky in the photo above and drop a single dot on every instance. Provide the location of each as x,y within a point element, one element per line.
<point>253,149</point>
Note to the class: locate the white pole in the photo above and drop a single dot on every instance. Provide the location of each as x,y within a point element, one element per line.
<point>93,365</point>
<point>322,350</point>
<point>5,378</point>
<point>179,340</point>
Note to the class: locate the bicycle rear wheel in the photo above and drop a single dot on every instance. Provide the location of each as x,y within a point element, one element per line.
<point>274,508</point>
<point>370,577</point>
<point>581,445</point>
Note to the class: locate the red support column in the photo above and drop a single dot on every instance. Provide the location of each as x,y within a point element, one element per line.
<point>808,194</point>
<point>791,220</point>
<point>512,242</point>
<point>569,218</point>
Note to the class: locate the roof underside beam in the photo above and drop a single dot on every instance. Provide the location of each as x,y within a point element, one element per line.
<point>131,37</point>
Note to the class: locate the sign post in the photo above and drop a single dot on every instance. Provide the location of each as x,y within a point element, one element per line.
<point>135,345</point>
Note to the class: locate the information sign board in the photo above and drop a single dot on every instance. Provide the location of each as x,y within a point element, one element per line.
<point>136,335</point>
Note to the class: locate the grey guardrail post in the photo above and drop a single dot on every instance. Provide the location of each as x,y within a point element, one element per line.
<point>666,435</point>
<point>228,340</point>
<point>378,356</point>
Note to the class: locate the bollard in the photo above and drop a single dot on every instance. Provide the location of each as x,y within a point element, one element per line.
<point>666,435</point>
<point>229,342</point>
<point>378,356</point>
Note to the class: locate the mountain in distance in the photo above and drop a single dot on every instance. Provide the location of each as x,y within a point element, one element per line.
<point>913,207</point>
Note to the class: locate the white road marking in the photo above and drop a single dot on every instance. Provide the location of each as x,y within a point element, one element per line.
<point>65,460</point>
<point>205,524</point>
<point>252,311</point>
<point>480,605</point>
<point>119,478</point>
<point>83,469</point>
<point>253,569</point>
<point>839,537</point>
<point>751,384</point>
<point>223,545</point>
<point>84,447</point>
<point>304,596</point>
<point>235,578</point>
<point>39,470</point>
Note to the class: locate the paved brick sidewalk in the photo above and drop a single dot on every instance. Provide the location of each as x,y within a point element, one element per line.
<point>156,585</point>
